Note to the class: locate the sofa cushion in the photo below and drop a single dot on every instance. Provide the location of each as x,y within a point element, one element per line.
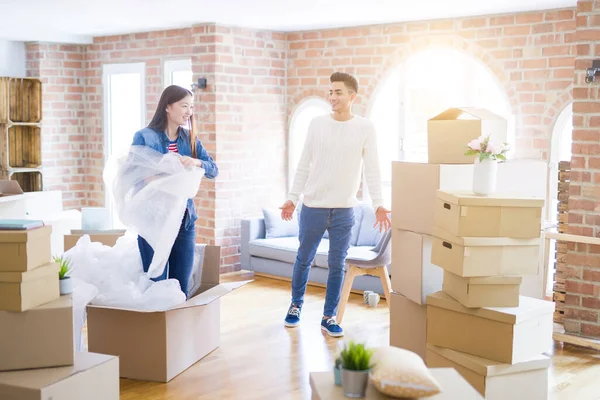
<point>368,235</point>
<point>282,249</point>
<point>321,259</point>
<point>275,227</point>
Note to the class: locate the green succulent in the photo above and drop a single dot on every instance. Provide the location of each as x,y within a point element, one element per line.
<point>65,266</point>
<point>356,357</point>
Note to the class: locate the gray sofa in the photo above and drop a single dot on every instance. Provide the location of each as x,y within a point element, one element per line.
<point>269,246</point>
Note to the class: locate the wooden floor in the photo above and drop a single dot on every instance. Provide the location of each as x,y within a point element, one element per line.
<point>261,359</point>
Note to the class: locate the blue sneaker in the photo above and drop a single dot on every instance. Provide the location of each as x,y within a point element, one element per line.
<point>293,316</point>
<point>331,327</point>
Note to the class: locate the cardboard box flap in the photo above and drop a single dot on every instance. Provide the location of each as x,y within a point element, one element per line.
<point>37,379</point>
<point>495,200</point>
<point>212,294</point>
<point>50,269</point>
<point>9,188</point>
<point>493,280</point>
<point>484,241</point>
<point>64,301</point>
<point>98,232</point>
<point>462,113</point>
<point>529,308</point>
<point>23,236</point>
<point>486,367</point>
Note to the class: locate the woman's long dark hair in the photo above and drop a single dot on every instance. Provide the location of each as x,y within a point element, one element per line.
<point>172,94</point>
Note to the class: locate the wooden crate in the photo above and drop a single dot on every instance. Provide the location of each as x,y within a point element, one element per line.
<point>21,146</point>
<point>30,181</point>
<point>20,100</point>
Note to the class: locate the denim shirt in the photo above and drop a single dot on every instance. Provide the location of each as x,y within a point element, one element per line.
<point>160,142</point>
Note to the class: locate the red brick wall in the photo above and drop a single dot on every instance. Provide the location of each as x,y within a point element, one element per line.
<point>531,54</point>
<point>63,117</point>
<point>583,276</point>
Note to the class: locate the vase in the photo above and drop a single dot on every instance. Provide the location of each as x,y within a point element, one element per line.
<point>337,376</point>
<point>354,383</point>
<point>65,285</point>
<point>485,175</point>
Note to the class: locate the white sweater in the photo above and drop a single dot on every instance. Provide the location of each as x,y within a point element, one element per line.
<point>330,168</point>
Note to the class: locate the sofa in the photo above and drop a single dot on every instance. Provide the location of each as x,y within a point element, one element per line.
<point>269,246</point>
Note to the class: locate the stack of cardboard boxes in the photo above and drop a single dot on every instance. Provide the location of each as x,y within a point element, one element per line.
<point>38,358</point>
<point>459,260</point>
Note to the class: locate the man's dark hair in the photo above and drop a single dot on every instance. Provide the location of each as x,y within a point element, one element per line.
<point>349,81</point>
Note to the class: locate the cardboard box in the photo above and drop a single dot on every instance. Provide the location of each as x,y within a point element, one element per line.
<point>507,335</point>
<point>25,250</point>
<point>499,215</point>
<point>92,377</point>
<point>39,338</point>
<point>489,256</point>
<point>496,291</point>
<point>21,291</point>
<point>107,239</point>
<point>527,380</point>
<point>413,274</point>
<point>415,186</point>
<point>408,324</point>
<point>449,132</point>
<point>157,346</point>
<point>454,387</point>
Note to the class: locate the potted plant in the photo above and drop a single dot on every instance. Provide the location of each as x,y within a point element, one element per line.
<point>485,171</point>
<point>356,365</point>
<point>65,281</point>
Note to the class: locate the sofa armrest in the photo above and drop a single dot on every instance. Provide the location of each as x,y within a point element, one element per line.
<point>252,229</point>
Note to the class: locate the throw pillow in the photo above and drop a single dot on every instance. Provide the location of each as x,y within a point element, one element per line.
<point>275,227</point>
<point>401,373</point>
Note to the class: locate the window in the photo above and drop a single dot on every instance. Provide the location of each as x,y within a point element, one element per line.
<point>560,150</point>
<point>419,90</point>
<point>124,114</point>
<point>304,114</point>
<point>179,72</point>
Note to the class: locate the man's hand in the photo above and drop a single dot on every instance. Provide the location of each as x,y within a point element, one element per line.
<point>382,219</point>
<point>189,162</point>
<point>287,210</point>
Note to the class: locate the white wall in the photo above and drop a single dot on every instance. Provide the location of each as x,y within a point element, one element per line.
<point>12,58</point>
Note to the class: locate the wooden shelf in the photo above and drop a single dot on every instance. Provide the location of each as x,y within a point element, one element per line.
<point>23,148</point>
<point>30,179</point>
<point>20,100</point>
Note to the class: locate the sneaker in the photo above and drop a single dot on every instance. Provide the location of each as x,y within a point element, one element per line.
<point>331,327</point>
<point>293,316</point>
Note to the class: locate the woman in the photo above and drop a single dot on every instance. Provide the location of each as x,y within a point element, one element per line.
<point>165,133</point>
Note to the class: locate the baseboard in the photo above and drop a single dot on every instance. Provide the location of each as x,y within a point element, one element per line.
<point>314,284</point>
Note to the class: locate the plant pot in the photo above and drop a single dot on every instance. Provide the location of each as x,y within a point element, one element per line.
<point>485,175</point>
<point>65,285</point>
<point>354,383</point>
<point>337,376</point>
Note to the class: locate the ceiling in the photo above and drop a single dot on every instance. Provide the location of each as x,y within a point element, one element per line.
<point>77,21</point>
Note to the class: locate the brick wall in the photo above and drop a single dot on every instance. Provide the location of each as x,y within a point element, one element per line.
<point>257,78</point>
<point>531,54</point>
<point>63,114</point>
<point>583,276</point>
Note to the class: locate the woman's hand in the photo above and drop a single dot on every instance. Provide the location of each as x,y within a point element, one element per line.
<point>190,162</point>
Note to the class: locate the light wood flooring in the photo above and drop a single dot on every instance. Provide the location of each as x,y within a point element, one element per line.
<point>261,359</point>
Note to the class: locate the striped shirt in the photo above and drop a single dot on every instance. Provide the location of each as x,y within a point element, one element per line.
<point>173,146</point>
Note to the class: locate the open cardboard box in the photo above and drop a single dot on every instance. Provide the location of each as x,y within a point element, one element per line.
<point>158,346</point>
<point>107,238</point>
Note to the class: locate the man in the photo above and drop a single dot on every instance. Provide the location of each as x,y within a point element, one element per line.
<point>329,174</point>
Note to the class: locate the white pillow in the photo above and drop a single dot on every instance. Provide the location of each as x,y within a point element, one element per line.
<point>275,227</point>
<point>401,373</point>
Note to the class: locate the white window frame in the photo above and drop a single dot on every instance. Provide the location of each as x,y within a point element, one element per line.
<point>107,71</point>
<point>170,66</point>
<point>303,106</point>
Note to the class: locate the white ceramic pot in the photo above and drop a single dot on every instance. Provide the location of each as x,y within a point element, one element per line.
<point>485,174</point>
<point>65,285</point>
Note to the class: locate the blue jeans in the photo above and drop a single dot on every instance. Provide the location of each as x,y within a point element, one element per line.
<point>181,259</point>
<point>313,224</point>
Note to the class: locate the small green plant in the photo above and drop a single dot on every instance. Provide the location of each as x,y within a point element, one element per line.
<point>65,266</point>
<point>356,357</point>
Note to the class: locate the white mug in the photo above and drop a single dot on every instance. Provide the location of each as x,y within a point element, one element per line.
<point>366,296</point>
<point>373,299</point>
